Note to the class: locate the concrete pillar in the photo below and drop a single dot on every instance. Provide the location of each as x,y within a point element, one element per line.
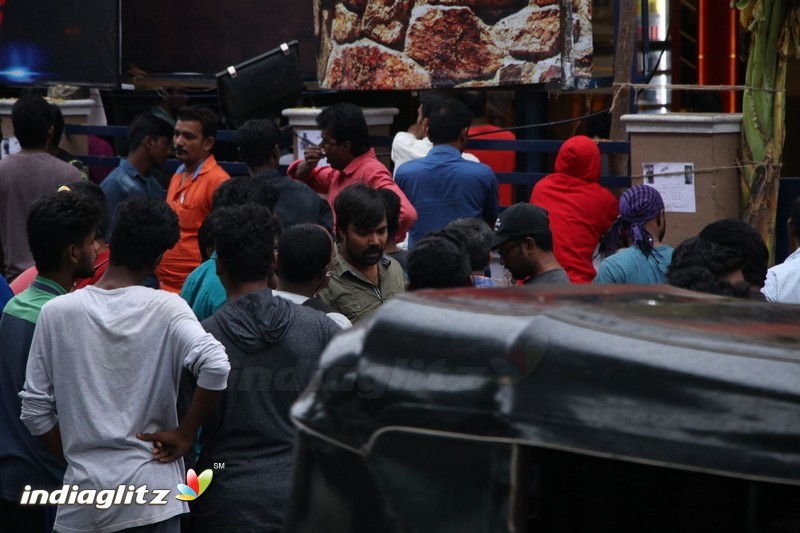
<point>711,143</point>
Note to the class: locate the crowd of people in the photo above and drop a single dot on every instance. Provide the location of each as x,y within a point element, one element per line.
<point>147,319</point>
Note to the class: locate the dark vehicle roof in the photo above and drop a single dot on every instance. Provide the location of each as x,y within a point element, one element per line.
<point>649,374</point>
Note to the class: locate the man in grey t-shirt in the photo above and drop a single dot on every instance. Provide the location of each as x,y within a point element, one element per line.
<point>25,176</point>
<point>524,241</point>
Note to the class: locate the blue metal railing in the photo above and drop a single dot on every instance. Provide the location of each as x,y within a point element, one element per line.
<point>513,178</point>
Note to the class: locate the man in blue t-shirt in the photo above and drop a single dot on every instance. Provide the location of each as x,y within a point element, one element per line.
<point>149,146</point>
<point>442,186</point>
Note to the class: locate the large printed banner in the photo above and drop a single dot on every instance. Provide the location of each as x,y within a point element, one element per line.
<point>419,44</point>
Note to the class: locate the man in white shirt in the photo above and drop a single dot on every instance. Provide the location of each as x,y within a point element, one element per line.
<point>102,381</point>
<point>783,281</point>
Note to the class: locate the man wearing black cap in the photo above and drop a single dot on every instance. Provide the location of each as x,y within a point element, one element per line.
<point>523,239</point>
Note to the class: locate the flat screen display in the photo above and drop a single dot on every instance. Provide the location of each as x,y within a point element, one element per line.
<point>65,41</point>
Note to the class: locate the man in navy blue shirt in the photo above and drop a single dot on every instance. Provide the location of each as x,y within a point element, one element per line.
<point>443,186</point>
<point>149,146</point>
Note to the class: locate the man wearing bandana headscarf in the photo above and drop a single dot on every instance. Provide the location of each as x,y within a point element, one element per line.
<point>640,226</point>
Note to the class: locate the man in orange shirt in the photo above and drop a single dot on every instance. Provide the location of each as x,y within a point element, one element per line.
<point>190,191</point>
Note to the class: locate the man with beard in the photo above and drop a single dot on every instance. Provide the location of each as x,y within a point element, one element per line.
<point>364,277</point>
<point>190,191</point>
<point>523,239</point>
<point>641,227</point>
<point>62,237</point>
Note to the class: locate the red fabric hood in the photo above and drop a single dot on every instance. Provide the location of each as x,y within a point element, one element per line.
<point>579,157</point>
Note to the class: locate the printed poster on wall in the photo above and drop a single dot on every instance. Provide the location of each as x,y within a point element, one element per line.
<point>420,44</point>
<point>675,183</point>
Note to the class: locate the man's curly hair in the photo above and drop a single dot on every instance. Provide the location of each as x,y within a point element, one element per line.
<point>144,229</point>
<point>698,264</point>
<point>56,221</point>
<point>245,238</point>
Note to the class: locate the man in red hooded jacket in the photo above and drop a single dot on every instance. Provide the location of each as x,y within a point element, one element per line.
<point>580,209</point>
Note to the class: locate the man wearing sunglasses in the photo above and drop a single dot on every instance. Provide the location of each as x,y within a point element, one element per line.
<point>523,239</point>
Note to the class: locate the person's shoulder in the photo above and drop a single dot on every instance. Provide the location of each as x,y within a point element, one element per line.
<point>476,167</point>
<point>392,267</point>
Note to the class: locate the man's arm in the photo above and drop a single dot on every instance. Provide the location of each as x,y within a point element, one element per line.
<point>306,170</point>
<point>52,440</point>
<point>205,358</point>
<point>38,411</point>
<point>172,445</point>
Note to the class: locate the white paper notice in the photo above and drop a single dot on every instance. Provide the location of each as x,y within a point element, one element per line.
<point>10,145</point>
<point>675,183</point>
<point>306,138</point>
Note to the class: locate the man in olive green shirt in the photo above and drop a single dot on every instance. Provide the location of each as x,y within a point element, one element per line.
<point>363,278</point>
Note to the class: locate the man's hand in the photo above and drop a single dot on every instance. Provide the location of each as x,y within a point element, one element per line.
<point>168,445</point>
<point>313,155</point>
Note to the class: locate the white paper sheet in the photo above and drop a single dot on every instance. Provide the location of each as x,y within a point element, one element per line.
<point>675,183</point>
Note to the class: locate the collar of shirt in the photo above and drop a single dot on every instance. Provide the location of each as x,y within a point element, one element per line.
<point>445,150</point>
<point>207,164</point>
<point>130,170</point>
<point>56,288</point>
<point>343,267</point>
<point>271,174</point>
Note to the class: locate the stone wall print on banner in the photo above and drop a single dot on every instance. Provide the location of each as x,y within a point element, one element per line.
<point>420,44</point>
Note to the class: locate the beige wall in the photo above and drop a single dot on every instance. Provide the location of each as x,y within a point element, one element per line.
<point>710,142</point>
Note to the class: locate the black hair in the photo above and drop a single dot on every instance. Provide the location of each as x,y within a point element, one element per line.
<point>543,239</point>
<point>741,236</point>
<point>203,115</point>
<point>144,228</point>
<point>447,121</point>
<point>392,202</point>
<point>430,100</point>
<point>96,195</point>
<point>794,214</point>
<point>697,265</point>
<point>438,261</point>
<point>346,122</point>
<point>360,205</point>
<point>205,239</point>
<point>304,251</point>
<point>57,123</point>
<point>257,140</point>
<point>245,190</point>
<point>56,221</point>
<point>32,117</point>
<point>244,238</point>
<point>147,125</point>
<point>477,238</point>
<point>475,101</point>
